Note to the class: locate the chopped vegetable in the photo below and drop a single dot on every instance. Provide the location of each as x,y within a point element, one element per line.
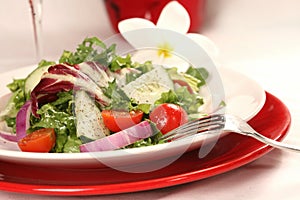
<point>199,73</point>
<point>23,120</point>
<point>6,136</point>
<point>61,78</point>
<point>119,100</point>
<point>119,139</point>
<point>140,69</point>
<point>152,83</point>
<point>58,115</point>
<point>15,102</point>
<point>9,109</point>
<point>181,96</point>
<point>120,62</point>
<point>96,72</point>
<point>89,122</point>
<point>168,117</point>
<point>34,77</point>
<point>116,120</point>
<point>42,140</point>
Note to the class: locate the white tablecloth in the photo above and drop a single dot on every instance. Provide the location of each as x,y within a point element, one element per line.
<point>259,38</point>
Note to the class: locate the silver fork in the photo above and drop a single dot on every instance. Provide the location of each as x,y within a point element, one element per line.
<point>223,122</point>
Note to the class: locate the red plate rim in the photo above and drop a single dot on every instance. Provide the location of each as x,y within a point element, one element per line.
<point>222,158</point>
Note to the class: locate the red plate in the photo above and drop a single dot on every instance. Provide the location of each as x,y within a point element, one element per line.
<point>230,152</point>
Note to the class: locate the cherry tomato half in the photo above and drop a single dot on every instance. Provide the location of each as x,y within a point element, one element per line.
<point>119,120</point>
<point>168,116</point>
<point>42,140</point>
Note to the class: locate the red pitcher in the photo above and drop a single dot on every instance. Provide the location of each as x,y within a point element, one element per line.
<point>123,9</point>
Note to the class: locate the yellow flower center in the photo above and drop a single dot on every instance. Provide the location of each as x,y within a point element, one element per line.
<point>164,50</point>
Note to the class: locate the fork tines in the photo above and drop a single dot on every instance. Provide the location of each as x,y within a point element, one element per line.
<point>201,125</point>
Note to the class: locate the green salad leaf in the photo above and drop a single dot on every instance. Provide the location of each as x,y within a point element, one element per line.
<point>59,115</point>
<point>189,102</point>
<point>15,102</point>
<point>44,63</point>
<point>120,101</point>
<point>119,62</point>
<point>17,88</point>
<point>167,97</point>
<point>142,68</point>
<point>91,49</point>
<point>182,97</point>
<point>199,73</point>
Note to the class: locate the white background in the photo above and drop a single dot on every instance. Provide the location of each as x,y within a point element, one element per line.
<point>260,38</point>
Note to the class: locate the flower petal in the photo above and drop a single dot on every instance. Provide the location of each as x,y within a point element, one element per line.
<point>209,47</point>
<point>142,56</point>
<point>174,17</point>
<point>133,24</point>
<point>145,38</point>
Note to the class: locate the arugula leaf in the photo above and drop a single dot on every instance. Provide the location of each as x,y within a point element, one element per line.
<point>88,51</point>
<point>119,62</point>
<point>181,96</point>
<point>16,85</point>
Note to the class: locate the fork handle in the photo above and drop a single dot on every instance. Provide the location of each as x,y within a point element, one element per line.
<point>273,143</point>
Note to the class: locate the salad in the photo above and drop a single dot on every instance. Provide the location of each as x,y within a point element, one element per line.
<point>95,100</point>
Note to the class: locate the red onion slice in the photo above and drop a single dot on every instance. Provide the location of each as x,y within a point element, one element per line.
<point>119,139</point>
<point>8,136</point>
<point>23,120</point>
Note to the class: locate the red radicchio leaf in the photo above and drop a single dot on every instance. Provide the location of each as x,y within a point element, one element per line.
<point>63,77</point>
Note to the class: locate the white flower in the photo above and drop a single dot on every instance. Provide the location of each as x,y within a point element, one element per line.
<point>168,43</point>
<point>160,45</point>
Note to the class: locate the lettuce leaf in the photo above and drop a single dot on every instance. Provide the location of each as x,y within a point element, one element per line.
<point>181,96</point>
<point>189,102</point>
<point>17,88</point>
<point>59,115</point>
<point>15,102</point>
<point>199,73</point>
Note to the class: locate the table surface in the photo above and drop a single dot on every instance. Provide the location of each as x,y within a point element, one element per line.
<point>257,38</point>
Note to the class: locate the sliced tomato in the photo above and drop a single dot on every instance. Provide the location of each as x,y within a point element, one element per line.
<point>119,120</point>
<point>42,140</point>
<point>168,116</point>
